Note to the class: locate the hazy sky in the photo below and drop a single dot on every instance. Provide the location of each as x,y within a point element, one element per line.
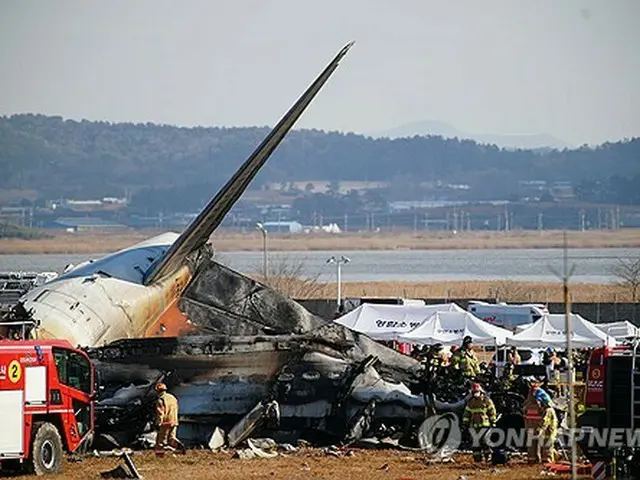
<point>570,68</point>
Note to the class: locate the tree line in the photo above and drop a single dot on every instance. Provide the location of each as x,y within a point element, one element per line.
<point>162,163</point>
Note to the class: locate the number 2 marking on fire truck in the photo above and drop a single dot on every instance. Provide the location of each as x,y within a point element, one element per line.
<point>15,371</point>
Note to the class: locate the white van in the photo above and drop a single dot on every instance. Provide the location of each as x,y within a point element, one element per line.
<point>355,302</point>
<point>507,316</point>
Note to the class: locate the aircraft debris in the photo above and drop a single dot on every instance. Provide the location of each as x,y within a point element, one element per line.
<point>112,453</point>
<point>287,447</point>
<point>217,440</point>
<point>263,447</point>
<point>251,421</point>
<point>126,470</point>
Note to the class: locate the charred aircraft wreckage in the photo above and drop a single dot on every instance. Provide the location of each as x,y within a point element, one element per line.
<point>237,354</point>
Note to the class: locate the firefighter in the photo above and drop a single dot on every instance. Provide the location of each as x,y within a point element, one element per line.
<point>437,357</point>
<point>548,431</point>
<point>464,359</point>
<point>551,360</point>
<point>513,357</point>
<point>508,376</point>
<point>166,420</point>
<point>480,412</point>
<point>532,414</point>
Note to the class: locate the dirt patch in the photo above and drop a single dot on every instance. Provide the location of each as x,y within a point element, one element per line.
<point>306,464</point>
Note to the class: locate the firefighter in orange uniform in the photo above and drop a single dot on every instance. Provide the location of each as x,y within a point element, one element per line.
<point>167,420</point>
<point>532,413</point>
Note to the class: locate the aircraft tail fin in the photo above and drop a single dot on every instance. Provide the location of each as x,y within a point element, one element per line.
<point>200,229</point>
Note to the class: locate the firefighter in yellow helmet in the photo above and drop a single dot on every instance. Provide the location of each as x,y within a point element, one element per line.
<point>166,421</point>
<point>464,359</point>
<point>548,431</point>
<point>480,412</point>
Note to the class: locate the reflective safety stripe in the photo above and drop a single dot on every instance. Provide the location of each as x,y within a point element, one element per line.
<point>532,414</point>
<point>477,410</point>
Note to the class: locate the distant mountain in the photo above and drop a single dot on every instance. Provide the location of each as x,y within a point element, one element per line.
<point>510,141</point>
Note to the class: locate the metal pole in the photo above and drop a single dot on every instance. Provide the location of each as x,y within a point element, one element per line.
<point>265,266</point>
<point>338,264</point>
<point>567,314</point>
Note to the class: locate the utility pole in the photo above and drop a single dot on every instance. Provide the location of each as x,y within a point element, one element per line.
<point>468,222</point>
<point>506,218</point>
<point>565,277</point>
<point>265,266</point>
<point>612,216</point>
<point>566,274</point>
<point>540,225</point>
<point>599,219</point>
<point>415,222</point>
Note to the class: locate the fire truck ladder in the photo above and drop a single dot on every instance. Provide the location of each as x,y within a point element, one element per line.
<point>635,385</point>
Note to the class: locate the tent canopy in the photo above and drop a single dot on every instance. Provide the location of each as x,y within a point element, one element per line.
<point>619,330</point>
<point>450,328</point>
<point>550,331</point>
<point>387,322</point>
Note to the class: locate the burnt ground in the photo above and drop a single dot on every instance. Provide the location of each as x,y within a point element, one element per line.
<point>305,464</point>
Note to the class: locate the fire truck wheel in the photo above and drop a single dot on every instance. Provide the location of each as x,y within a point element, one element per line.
<point>46,449</point>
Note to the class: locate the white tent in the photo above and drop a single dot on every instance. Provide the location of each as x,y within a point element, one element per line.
<point>386,322</point>
<point>450,328</point>
<point>619,330</point>
<point>550,331</point>
<point>524,326</point>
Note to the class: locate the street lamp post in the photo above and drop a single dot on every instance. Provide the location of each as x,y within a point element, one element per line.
<point>265,269</point>
<point>342,260</point>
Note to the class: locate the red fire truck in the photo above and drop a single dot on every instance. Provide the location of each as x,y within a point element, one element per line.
<point>612,402</point>
<point>46,403</point>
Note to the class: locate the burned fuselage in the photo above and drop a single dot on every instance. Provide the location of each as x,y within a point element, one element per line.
<point>253,345</point>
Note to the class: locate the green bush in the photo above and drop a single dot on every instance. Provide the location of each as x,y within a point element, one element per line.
<point>8,230</point>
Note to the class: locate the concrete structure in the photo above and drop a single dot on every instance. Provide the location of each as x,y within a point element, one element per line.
<point>82,224</point>
<point>283,227</point>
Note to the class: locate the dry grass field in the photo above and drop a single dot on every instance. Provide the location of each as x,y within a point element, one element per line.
<point>305,465</point>
<point>226,241</point>
<point>507,290</point>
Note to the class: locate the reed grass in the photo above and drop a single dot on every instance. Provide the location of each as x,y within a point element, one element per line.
<point>506,291</point>
<point>227,241</point>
